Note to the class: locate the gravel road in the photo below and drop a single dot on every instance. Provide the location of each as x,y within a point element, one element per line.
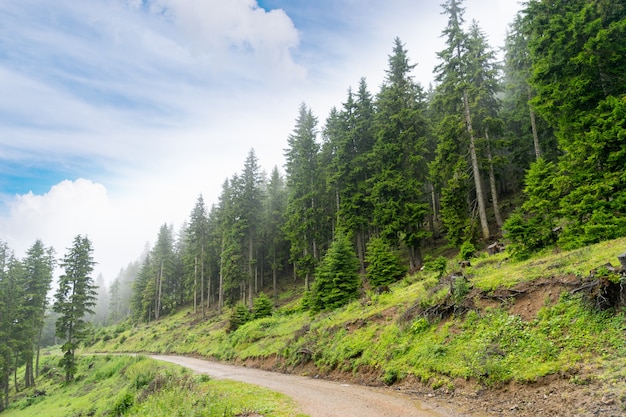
<point>320,398</point>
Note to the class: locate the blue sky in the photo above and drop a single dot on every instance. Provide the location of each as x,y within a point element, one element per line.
<point>116,114</point>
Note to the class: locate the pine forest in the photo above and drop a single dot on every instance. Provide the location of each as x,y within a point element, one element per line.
<point>526,147</point>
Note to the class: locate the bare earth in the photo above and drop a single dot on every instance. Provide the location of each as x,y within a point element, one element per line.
<point>321,398</point>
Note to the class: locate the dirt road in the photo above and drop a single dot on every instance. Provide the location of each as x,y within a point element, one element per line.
<point>320,398</point>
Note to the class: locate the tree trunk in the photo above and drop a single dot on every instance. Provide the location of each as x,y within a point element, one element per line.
<point>38,351</point>
<point>415,257</point>
<point>360,249</point>
<point>492,183</point>
<point>208,289</point>
<point>533,125</point>
<point>28,370</point>
<point>157,312</point>
<point>17,387</point>
<point>274,277</point>
<point>220,290</point>
<point>482,211</point>
<point>195,284</point>
<point>432,219</point>
<point>202,278</point>
<point>250,271</point>
<point>5,381</point>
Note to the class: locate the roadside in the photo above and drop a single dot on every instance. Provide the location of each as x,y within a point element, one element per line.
<point>322,398</point>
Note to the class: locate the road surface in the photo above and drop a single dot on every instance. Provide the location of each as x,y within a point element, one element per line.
<point>319,398</point>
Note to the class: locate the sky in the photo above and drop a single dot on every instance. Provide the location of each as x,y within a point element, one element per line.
<point>116,115</point>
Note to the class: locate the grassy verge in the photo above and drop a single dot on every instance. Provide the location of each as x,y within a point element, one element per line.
<point>114,386</point>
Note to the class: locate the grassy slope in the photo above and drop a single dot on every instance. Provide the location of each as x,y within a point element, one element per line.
<point>139,386</point>
<point>385,338</point>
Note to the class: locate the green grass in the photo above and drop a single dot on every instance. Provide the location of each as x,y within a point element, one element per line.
<point>108,385</point>
<point>491,272</point>
<point>385,335</point>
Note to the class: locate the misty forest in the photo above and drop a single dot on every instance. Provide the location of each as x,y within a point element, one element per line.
<point>527,150</point>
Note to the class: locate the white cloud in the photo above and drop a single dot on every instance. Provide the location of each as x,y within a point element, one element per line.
<point>237,36</point>
<point>68,209</point>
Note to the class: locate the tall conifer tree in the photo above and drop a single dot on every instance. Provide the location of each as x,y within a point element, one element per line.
<point>465,96</point>
<point>398,157</point>
<point>305,189</point>
<point>74,299</point>
<point>39,265</point>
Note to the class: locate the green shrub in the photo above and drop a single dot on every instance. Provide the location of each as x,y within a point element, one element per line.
<point>240,316</point>
<point>437,265</point>
<point>468,250</point>
<point>141,373</point>
<point>384,264</point>
<point>262,306</point>
<point>390,376</point>
<point>123,403</point>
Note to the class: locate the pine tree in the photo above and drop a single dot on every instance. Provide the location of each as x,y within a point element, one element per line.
<point>122,293</point>
<point>141,300</point>
<point>250,207</point>
<point>12,318</point>
<point>305,189</point>
<point>384,264</point>
<point>39,265</point>
<point>101,309</point>
<point>231,243</point>
<point>466,77</point>
<point>337,279</point>
<point>198,239</point>
<point>398,196</point>
<point>274,222</point>
<point>262,306</point>
<point>531,138</point>
<point>74,299</point>
<point>348,143</point>
<point>164,279</point>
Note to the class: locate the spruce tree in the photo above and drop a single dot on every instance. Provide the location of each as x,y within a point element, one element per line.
<point>74,299</point>
<point>464,97</point>
<point>348,143</point>
<point>13,320</point>
<point>531,138</point>
<point>398,158</point>
<point>337,279</point>
<point>250,207</point>
<point>231,238</point>
<point>384,264</point>
<point>274,221</point>
<point>39,265</point>
<point>305,186</point>
<point>197,235</point>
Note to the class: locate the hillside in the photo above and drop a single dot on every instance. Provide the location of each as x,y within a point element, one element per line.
<point>544,335</point>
